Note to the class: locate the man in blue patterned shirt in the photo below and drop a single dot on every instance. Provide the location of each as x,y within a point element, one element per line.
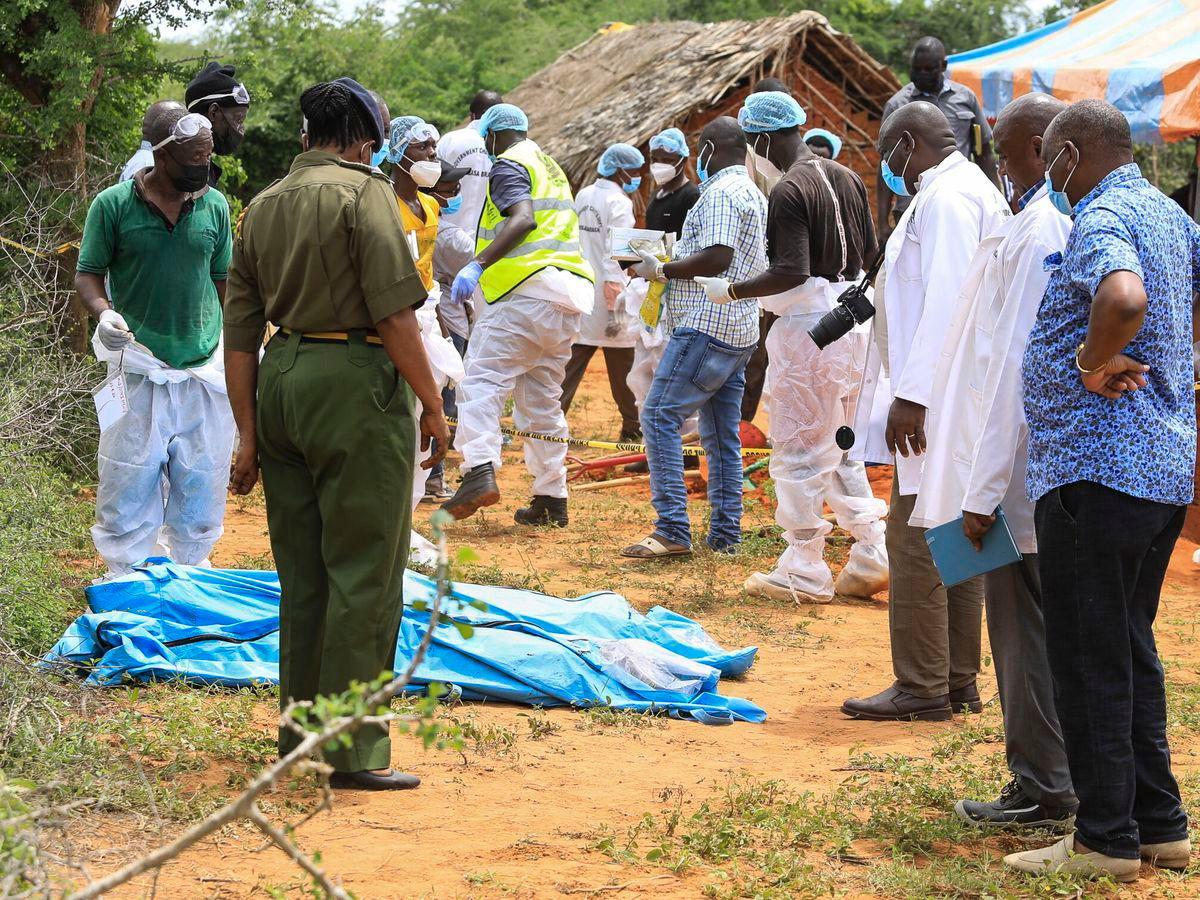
<point>703,366</point>
<point>1112,450</point>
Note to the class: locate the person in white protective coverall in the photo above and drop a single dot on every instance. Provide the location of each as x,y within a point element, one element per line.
<point>601,206</point>
<point>819,238</point>
<point>163,239</point>
<point>536,287</point>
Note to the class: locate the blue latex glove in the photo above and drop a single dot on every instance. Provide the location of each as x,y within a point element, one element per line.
<point>465,282</point>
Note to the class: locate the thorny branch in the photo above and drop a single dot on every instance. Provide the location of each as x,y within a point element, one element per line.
<point>245,805</point>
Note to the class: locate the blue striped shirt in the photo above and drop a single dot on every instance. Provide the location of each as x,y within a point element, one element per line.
<point>731,212</point>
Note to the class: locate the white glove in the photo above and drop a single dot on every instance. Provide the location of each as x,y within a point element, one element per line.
<point>113,330</point>
<point>716,288</point>
<point>649,267</point>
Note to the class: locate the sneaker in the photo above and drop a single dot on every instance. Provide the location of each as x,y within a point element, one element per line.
<point>478,489</point>
<point>760,585</point>
<point>1062,857</point>
<point>436,490</point>
<point>1169,855</point>
<point>1014,809</point>
<point>543,510</point>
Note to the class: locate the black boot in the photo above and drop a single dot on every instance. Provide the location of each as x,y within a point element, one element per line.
<point>543,510</point>
<point>478,489</point>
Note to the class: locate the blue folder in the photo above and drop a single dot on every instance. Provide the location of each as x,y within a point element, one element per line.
<point>956,557</point>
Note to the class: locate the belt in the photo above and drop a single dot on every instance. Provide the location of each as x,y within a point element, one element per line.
<point>335,337</point>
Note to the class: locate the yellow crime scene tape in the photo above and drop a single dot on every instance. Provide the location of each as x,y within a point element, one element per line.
<point>42,254</point>
<point>610,445</point>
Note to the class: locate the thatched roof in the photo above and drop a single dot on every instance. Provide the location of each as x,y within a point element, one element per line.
<point>626,84</point>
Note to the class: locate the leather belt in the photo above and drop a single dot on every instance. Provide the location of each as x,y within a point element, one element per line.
<point>338,337</point>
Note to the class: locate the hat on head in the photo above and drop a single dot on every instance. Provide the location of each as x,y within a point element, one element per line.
<point>770,111</point>
<point>216,83</point>
<point>502,117</point>
<point>364,99</point>
<point>834,142</point>
<point>452,173</point>
<point>671,140</point>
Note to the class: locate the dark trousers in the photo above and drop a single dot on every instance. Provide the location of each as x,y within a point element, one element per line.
<point>618,361</point>
<point>756,369</point>
<point>1103,555</point>
<point>1032,737</point>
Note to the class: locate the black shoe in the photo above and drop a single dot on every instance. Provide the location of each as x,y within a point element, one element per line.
<point>895,705</point>
<point>369,781</point>
<point>966,699</point>
<point>543,510</point>
<point>637,468</point>
<point>478,489</point>
<point>1014,809</point>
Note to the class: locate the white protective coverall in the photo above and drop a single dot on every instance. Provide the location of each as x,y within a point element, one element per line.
<point>455,247</point>
<point>813,393</point>
<point>648,350</point>
<point>519,347</point>
<point>447,368</point>
<point>164,465</point>
<point>602,206</point>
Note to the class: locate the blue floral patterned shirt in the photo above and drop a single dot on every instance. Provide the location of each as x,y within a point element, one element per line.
<point>1144,443</point>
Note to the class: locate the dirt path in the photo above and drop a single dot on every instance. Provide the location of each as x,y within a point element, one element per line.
<point>524,821</point>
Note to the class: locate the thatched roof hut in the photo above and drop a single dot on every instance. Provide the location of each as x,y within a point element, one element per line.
<point>628,83</point>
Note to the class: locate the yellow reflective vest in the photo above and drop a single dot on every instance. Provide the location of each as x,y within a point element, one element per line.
<point>554,239</point>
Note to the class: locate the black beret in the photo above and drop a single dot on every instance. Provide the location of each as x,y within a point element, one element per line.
<point>213,79</point>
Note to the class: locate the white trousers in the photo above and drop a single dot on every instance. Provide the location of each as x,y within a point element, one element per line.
<point>164,466</point>
<point>811,393</point>
<point>520,348</point>
<point>641,374</point>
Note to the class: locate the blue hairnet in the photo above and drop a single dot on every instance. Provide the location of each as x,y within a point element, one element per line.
<point>834,141</point>
<point>403,130</point>
<point>620,156</point>
<point>770,111</point>
<point>503,117</point>
<point>671,140</point>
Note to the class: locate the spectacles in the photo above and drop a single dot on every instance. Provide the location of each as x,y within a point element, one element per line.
<point>240,95</point>
<point>185,129</point>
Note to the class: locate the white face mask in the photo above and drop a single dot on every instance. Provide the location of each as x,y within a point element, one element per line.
<point>662,172</point>
<point>425,173</point>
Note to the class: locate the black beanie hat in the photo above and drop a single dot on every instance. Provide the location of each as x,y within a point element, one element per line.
<point>212,79</point>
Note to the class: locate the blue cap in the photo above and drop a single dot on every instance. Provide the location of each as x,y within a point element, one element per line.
<point>364,99</point>
<point>671,140</point>
<point>620,156</point>
<point>835,142</point>
<point>770,111</point>
<point>405,130</point>
<point>502,117</point>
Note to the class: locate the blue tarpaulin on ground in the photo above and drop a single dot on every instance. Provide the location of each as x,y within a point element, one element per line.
<point>221,626</point>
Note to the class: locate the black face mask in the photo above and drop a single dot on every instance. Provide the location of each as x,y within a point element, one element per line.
<point>189,178</point>
<point>927,84</point>
<point>226,140</point>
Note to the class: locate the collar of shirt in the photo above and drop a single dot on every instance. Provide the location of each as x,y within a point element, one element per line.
<point>927,177</point>
<point>1029,195</point>
<point>723,175</point>
<point>1118,176</point>
<point>189,202</point>
<point>605,183</point>
<point>325,158</point>
<point>947,87</point>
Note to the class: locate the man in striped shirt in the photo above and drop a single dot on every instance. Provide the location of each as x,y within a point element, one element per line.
<point>703,367</point>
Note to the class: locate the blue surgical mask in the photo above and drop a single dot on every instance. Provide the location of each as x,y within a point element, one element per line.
<point>453,205</point>
<point>895,182</point>
<point>380,155</point>
<point>702,168</point>
<point>1059,198</point>
<point>631,186</point>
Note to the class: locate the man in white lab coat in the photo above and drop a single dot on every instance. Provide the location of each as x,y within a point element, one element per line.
<point>935,631</point>
<point>603,205</point>
<point>978,445</point>
<point>462,148</point>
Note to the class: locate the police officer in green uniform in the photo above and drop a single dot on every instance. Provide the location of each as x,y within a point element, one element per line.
<point>328,415</point>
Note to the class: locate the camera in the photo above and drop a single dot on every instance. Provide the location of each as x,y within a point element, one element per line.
<point>853,308</point>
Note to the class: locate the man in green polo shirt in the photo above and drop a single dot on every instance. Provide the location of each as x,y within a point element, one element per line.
<point>164,241</point>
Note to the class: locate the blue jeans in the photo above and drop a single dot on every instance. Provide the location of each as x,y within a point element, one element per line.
<point>1102,556</point>
<point>696,373</point>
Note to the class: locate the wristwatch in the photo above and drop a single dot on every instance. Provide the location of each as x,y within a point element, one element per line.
<point>659,274</point>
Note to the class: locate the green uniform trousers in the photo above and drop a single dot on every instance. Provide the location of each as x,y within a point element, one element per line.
<point>336,443</point>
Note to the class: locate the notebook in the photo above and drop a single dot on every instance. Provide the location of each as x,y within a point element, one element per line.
<point>957,559</point>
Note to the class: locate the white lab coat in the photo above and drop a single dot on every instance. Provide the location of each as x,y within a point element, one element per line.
<point>978,438</point>
<point>927,259</point>
<point>464,148</point>
<point>143,158</point>
<point>602,206</point>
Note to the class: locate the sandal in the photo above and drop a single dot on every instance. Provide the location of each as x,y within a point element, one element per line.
<point>654,548</point>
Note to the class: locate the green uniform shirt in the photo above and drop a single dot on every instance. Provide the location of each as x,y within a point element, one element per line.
<point>161,276</point>
<point>322,249</point>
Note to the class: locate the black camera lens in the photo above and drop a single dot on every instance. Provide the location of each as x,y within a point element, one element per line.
<point>834,324</point>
